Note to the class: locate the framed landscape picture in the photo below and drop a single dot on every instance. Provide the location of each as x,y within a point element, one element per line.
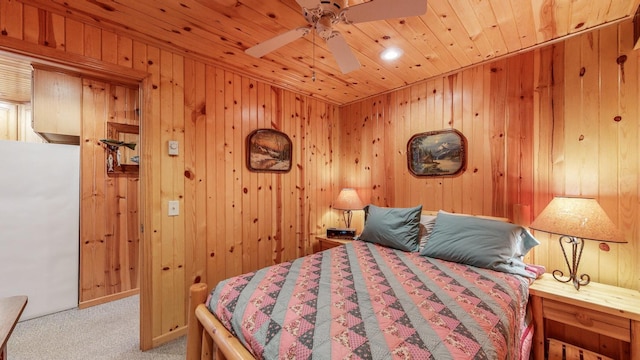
<point>437,153</point>
<point>268,150</point>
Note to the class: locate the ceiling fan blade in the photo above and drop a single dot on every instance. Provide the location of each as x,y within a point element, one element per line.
<point>308,4</point>
<point>276,42</point>
<point>384,9</point>
<point>342,53</point>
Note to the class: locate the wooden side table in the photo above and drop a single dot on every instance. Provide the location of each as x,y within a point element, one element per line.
<point>328,243</point>
<point>10,310</point>
<point>602,309</point>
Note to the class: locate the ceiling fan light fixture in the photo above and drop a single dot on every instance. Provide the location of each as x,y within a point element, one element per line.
<point>390,54</point>
<point>322,15</point>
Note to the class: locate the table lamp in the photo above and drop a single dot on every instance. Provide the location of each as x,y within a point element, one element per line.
<point>348,200</point>
<point>575,220</point>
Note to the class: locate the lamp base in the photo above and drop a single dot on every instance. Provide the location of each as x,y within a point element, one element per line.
<point>577,245</point>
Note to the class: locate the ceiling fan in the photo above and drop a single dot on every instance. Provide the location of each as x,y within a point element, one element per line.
<point>323,14</point>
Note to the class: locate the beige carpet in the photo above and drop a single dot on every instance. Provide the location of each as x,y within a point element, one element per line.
<point>108,331</point>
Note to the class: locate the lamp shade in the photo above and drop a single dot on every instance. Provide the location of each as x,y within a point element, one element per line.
<point>348,199</point>
<point>577,217</point>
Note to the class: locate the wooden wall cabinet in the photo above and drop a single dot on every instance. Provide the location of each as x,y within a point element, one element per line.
<point>57,108</point>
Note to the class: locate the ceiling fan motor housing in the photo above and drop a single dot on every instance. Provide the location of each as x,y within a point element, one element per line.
<point>324,16</point>
<point>323,27</point>
<point>334,6</point>
<point>325,9</point>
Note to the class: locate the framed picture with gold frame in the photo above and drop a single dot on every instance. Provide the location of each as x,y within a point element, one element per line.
<point>268,150</point>
<point>437,153</point>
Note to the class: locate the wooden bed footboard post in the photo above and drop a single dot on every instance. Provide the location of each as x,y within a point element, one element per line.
<point>538,328</point>
<point>197,295</point>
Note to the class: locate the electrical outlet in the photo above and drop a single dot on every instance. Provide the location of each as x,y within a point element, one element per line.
<point>174,207</point>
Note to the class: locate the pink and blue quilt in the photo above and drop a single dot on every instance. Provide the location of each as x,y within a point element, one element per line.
<point>366,301</point>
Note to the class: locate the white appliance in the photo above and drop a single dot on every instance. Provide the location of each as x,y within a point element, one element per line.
<point>39,225</point>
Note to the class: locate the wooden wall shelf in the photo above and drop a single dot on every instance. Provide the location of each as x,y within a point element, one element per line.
<point>118,131</point>
<point>124,170</point>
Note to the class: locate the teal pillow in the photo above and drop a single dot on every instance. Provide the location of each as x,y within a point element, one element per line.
<point>485,243</point>
<point>396,228</point>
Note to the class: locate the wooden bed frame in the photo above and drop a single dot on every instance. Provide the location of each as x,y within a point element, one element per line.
<point>207,337</point>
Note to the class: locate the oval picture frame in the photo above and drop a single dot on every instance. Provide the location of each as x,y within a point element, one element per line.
<point>438,153</point>
<point>269,150</point>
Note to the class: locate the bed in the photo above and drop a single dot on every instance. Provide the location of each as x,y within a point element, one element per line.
<point>395,293</point>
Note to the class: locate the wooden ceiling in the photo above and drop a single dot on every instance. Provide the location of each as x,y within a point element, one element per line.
<point>15,79</point>
<point>453,34</point>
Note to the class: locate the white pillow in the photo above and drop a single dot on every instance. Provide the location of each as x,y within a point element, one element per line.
<point>426,227</point>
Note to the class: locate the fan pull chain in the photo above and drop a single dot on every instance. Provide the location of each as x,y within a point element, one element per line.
<point>313,61</point>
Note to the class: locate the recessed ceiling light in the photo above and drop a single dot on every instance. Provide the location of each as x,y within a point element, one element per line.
<point>390,54</point>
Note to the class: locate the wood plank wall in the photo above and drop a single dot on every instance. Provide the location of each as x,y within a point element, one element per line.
<point>515,118</point>
<point>587,143</point>
<point>491,105</point>
<point>235,220</point>
<point>109,219</point>
<point>561,120</point>
<point>231,220</point>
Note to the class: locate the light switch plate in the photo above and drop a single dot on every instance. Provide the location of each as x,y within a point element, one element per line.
<point>174,207</point>
<point>173,147</point>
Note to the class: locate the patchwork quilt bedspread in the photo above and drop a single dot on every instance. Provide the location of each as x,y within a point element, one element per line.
<point>366,301</point>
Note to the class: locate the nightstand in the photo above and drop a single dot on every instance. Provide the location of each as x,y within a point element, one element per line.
<point>326,243</point>
<point>598,308</point>
<point>10,310</point>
